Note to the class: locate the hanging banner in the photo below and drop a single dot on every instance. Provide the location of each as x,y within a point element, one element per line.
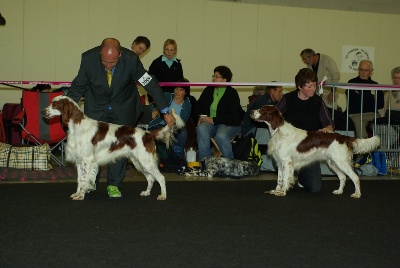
<point>352,55</point>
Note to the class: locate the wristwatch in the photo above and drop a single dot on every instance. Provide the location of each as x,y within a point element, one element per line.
<point>165,113</point>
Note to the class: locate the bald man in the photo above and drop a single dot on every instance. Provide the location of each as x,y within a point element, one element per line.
<point>119,102</point>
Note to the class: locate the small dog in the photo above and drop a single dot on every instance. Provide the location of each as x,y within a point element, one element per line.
<point>224,167</point>
<point>293,148</point>
<point>94,143</point>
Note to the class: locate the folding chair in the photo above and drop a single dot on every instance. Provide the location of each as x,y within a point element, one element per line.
<point>2,133</point>
<point>37,129</point>
<point>217,152</point>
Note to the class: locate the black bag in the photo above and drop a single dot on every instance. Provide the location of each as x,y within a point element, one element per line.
<point>341,119</point>
<point>12,131</point>
<point>246,149</point>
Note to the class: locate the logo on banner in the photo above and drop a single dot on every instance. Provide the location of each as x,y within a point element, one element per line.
<point>352,55</point>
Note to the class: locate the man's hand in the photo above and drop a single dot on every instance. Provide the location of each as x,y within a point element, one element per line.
<point>169,119</point>
<point>155,113</point>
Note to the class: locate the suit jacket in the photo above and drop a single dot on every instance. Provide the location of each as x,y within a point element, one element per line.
<point>122,97</point>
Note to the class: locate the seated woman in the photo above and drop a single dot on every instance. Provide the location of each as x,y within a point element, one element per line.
<point>219,115</point>
<point>392,97</point>
<point>180,103</point>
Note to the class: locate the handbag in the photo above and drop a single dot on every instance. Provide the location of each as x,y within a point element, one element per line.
<point>378,160</point>
<point>25,157</point>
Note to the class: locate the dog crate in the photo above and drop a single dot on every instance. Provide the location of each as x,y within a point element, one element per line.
<point>390,144</point>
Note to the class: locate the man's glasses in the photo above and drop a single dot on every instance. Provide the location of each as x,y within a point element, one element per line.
<point>216,76</point>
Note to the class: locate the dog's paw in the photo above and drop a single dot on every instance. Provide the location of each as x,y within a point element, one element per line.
<point>78,196</point>
<point>337,191</point>
<point>162,197</point>
<point>73,195</point>
<point>276,192</point>
<point>145,193</point>
<point>356,195</point>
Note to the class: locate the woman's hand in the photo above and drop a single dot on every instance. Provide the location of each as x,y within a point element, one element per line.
<point>327,129</point>
<point>169,119</point>
<point>206,119</point>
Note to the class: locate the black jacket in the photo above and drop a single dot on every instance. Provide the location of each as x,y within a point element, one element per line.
<point>227,109</point>
<point>163,73</point>
<point>368,98</point>
<point>303,114</point>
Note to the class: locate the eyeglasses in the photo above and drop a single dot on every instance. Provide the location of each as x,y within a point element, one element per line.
<point>364,70</point>
<point>216,76</point>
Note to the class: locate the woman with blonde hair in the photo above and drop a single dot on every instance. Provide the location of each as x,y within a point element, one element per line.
<point>167,68</point>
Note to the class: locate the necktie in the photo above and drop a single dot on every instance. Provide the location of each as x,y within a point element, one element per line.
<point>109,77</point>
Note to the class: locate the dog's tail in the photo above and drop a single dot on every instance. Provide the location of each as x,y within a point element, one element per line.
<point>166,134</point>
<point>361,146</point>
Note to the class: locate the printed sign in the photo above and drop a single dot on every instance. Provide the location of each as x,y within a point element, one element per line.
<point>352,55</point>
<point>145,79</point>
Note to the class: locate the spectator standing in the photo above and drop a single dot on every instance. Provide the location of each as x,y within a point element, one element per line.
<point>167,68</point>
<point>218,108</point>
<point>306,110</point>
<point>140,45</point>
<point>323,65</point>
<point>107,78</point>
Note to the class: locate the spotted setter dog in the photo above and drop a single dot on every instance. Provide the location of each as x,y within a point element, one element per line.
<point>293,148</point>
<point>94,143</point>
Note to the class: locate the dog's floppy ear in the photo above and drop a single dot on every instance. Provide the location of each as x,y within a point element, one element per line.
<point>66,108</point>
<point>275,117</point>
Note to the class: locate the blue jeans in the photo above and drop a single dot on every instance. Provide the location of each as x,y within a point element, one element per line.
<point>310,177</point>
<point>179,146</point>
<point>222,135</point>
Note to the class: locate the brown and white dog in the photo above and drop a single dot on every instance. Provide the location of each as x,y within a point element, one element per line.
<point>92,143</point>
<point>293,148</point>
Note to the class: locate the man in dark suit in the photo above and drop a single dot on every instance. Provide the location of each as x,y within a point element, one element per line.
<point>107,80</point>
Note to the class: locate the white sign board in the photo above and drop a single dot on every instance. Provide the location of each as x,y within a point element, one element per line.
<point>352,55</point>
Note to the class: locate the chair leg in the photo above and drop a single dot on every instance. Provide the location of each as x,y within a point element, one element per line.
<point>217,152</point>
<point>55,147</point>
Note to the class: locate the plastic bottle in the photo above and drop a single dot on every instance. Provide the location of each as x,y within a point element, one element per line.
<point>191,155</point>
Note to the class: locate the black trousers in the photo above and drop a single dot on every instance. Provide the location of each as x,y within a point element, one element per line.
<point>115,171</point>
<point>311,178</point>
